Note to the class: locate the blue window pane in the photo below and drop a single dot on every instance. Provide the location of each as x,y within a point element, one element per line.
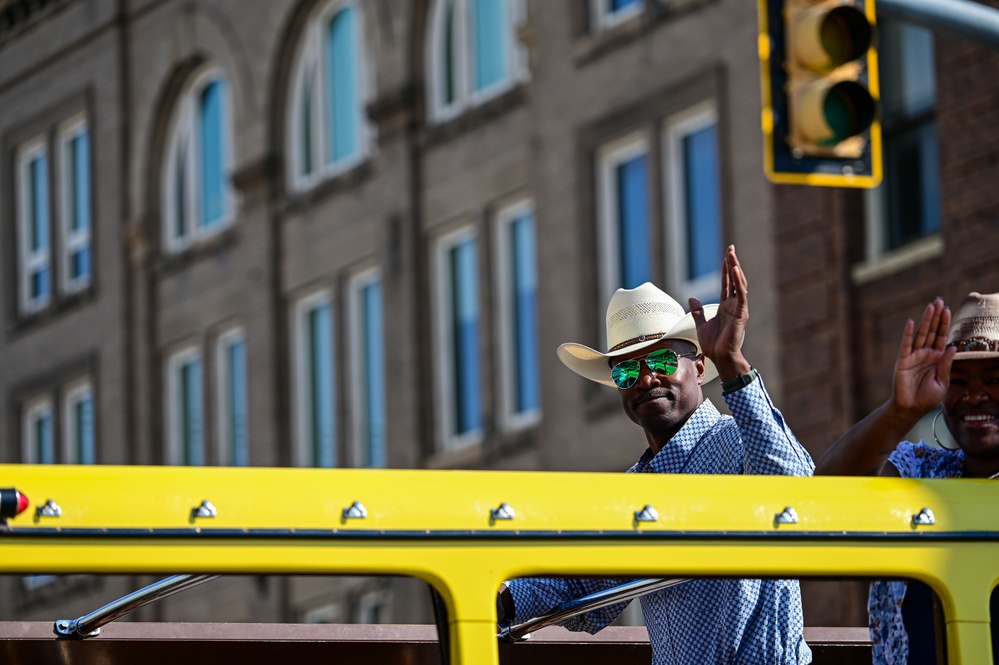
<point>237,404</point>
<point>490,42</point>
<point>40,284</point>
<point>80,264</point>
<point>84,414</point>
<point>344,99</point>
<point>39,215</point>
<point>525,323</point>
<point>700,153</point>
<point>465,356</point>
<point>213,164</point>
<point>80,182</point>
<point>44,448</point>
<point>321,425</point>
<point>618,5</point>
<point>372,333</point>
<point>191,414</point>
<point>633,222</point>
<point>913,182</point>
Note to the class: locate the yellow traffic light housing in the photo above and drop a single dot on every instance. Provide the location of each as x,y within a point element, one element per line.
<point>820,92</point>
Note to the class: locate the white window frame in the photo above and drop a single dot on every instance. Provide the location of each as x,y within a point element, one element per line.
<point>677,127</point>
<point>185,124</point>
<point>447,440</point>
<point>465,97</point>
<point>175,444</point>
<point>360,438</point>
<point>223,377</point>
<point>510,420</point>
<point>310,62</point>
<point>302,454</point>
<point>73,395</point>
<point>609,157</point>
<point>34,410</point>
<point>73,241</point>
<point>603,18</point>
<point>30,262</point>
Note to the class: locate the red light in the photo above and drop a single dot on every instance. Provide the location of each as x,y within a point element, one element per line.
<point>12,503</point>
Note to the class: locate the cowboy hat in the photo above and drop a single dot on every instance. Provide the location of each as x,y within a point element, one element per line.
<point>636,318</point>
<point>975,328</point>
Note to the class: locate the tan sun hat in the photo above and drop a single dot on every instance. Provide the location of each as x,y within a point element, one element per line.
<point>975,328</point>
<point>636,318</point>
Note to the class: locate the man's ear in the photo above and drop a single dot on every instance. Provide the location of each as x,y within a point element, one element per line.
<point>699,364</point>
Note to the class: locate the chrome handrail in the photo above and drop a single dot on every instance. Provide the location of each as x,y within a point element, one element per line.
<point>593,601</point>
<point>89,625</point>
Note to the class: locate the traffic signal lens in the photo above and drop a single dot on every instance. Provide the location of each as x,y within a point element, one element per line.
<point>848,109</point>
<point>845,34</point>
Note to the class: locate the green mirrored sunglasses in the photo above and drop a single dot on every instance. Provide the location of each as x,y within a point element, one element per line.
<point>663,361</point>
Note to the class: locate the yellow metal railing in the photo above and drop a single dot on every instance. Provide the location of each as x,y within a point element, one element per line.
<point>450,529</point>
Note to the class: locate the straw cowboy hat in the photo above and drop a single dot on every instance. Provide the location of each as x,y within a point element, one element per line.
<point>636,318</point>
<point>975,328</point>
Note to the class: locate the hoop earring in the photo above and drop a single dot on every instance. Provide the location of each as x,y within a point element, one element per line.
<point>935,437</point>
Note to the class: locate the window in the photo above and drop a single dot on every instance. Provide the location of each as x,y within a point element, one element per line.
<point>472,53</point>
<point>608,13</point>
<point>38,274</point>
<point>906,207</point>
<point>367,370</point>
<point>315,441</point>
<point>79,442</point>
<point>623,215</point>
<point>37,432</point>
<point>693,206</point>
<point>457,340</point>
<point>197,191</point>
<point>34,246</point>
<point>517,284</point>
<point>185,411</point>
<point>74,205</point>
<point>231,399</point>
<point>328,128</point>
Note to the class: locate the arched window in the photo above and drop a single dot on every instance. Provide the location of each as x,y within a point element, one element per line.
<point>197,192</point>
<point>328,131</point>
<point>472,53</point>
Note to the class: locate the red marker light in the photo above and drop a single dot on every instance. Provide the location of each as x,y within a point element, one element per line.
<point>12,503</point>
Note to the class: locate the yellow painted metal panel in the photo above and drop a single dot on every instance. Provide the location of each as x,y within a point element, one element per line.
<point>164,497</point>
<point>436,526</point>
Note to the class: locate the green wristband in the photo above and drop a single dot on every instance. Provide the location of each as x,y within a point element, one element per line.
<point>739,382</point>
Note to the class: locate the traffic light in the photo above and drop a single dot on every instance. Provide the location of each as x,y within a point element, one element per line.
<point>820,92</point>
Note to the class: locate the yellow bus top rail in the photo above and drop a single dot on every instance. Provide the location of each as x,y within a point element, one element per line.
<point>465,532</point>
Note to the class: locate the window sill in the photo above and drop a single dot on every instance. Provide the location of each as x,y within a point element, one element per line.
<point>592,46</point>
<point>346,180</point>
<point>467,456</point>
<point>54,309</point>
<point>474,116</point>
<point>906,257</point>
<point>201,249</point>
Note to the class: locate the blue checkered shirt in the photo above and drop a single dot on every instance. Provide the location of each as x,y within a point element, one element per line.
<point>750,622</point>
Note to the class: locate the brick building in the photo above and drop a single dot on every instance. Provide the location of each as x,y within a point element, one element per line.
<point>352,233</point>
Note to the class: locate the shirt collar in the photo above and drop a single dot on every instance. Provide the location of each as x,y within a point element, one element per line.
<point>672,458</point>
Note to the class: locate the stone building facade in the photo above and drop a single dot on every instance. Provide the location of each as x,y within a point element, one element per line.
<point>353,232</point>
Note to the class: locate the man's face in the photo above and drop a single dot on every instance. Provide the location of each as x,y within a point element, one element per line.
<point>971,407</point>
<point>661,403</point>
